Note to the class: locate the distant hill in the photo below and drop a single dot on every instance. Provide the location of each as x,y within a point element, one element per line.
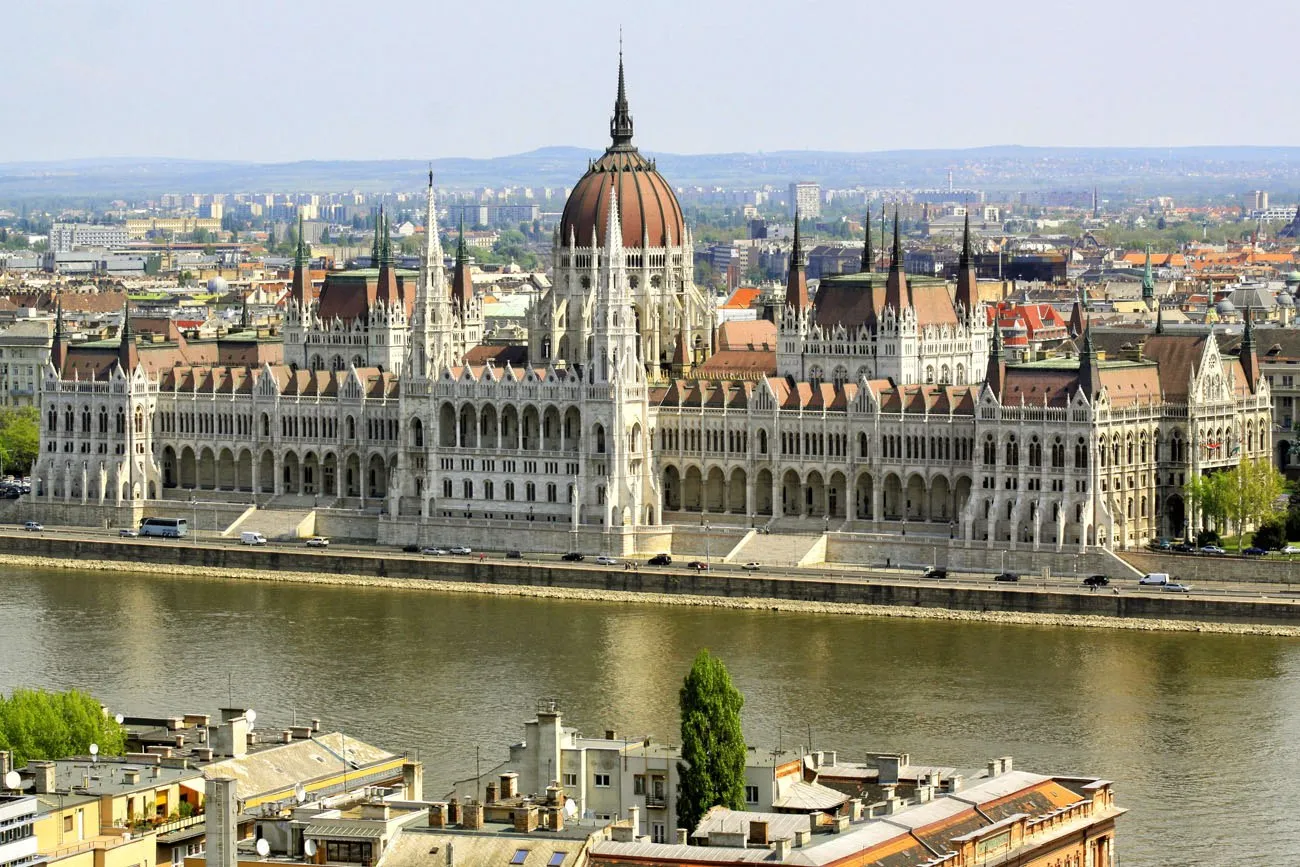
<point>1165,170</point>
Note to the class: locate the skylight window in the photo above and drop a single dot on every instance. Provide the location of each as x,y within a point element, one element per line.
<point>520,856</point>
<point>557,859</point>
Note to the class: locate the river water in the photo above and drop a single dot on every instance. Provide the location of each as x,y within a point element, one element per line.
<point>1201,732</point>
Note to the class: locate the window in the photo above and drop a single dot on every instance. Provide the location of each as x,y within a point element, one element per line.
<point>67,824</point>
<point>520,856</point>
<point>557,858</point>
<point>751,794</point>
<point>638,784</point>
<point>570,781</point>
<point>348,851</point>
<point>602,781</point>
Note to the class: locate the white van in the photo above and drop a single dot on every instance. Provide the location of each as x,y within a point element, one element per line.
<point>1157,578</point>
<point>249,537</point>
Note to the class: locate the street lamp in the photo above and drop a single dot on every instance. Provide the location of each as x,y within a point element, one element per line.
<point>907,507</point>
<point>194,504</point>
<point>706,546</point>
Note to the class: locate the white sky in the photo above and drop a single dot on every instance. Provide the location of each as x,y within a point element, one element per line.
<point>274,81</point>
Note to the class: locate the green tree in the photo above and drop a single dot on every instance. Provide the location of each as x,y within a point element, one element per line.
<point>35,724</point>
<point>712,772</point>
<point>19,439</point>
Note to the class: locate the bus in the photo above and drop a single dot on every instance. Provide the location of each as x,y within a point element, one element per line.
<point>171,528</point>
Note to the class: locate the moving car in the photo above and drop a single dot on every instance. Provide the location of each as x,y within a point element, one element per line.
<point>1254,551</point>
<point>602,560</point>
<point>1096,581</point>
<point>698,566</point>
<point>1007,576</point>
<point>752,566</point>
<point>461,549</point>
<point>1154,579</point>
<point>1212,549</point>
<point>318,542</point>
<point>36,526</point>
<point>411,549</point>
<point>1184,548</point>
<point>514,555</point>
<point>251,537</point>
<point>433,549</point>
<point>661,560</point>
<point>938,572</point>
<point>1291,549</point>
<point>128,533</point>
<point>573,557</point>
<point>1175,587</point>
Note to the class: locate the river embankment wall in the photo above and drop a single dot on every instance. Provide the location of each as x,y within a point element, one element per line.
<point>614,583</point>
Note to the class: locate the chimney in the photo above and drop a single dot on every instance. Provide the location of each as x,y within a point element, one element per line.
<point>556,818</point>
<point>286,737</point>
<point>375,810</point>
<point>315,724</point>
<point>758,833</point>
<point>491,796</point>
<point>438,815</point>
<point>830,758</point>
<point>131,776</point>
<point>473,820</point>
<point>817,759</point>
<point>44,774</point>
<point>924,794</point>
<point>954,783</point>
<point>681,837</point>
<point>1006,764</point>
<point>995,767</point>
<point>781,848</point>
<point>611,735</point>
<point>453,811</point>
<point>509,785</point>
<point>220,818</point>
<point>855,805</point>
<point>634,816</point>
<point>201,720</point>
<point>801,837</point>
<point>301,732</point>
<point>6,764</point>
<point>553,796</point>
<point>622,833</point>
<point>526,818</point>
<point>887,792</point>
<point>840,823</point>
<point>203,754</point>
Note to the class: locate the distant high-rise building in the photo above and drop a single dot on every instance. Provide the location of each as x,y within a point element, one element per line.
<point>806,199</point>
<point>1261,200</point>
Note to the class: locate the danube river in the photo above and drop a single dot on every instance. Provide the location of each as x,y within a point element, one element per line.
<point>1200,732</point>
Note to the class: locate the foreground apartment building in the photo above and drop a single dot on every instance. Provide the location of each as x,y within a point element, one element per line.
<point>892,408</point>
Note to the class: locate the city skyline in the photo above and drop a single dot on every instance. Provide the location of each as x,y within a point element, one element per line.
<point>364,89</point>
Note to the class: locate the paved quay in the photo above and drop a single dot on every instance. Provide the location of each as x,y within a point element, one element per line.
<point>811,591</point>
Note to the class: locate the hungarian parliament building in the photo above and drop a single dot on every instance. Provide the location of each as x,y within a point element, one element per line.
<point>888,407</point>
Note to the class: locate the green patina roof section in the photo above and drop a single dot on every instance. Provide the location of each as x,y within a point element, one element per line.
<point>1072,363</point>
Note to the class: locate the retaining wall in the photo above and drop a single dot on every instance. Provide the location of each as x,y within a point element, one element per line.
<point>1202,567</point>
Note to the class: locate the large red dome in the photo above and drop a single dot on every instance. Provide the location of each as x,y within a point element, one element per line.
<point>647,207</point>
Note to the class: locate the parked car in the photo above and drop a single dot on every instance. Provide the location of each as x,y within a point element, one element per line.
<point>1254,551</point>
<point>433,549</point>
<point>128,533</point>
<point>1184,548</point>
<point>1161,545</point>
<point>1155,579</point>
<point>573,557</point>
<point>1291,549</point>
<point>514,555</point>
<point>1175,587</point>
<point>1212,549</point>
<point>938,572</point>
<point>35,526</point>
<point>1096,581</point>
<point>461,549</point>
<point>698,566</point>
<point>318,542</point>
<point>602,560</point>
<point>661,560</point>
<point>1007,576</point>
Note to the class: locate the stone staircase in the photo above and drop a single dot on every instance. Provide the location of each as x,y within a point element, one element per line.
<point>781,549</point>
<point>280,525</point>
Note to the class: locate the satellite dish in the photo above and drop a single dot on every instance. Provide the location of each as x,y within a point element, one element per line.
<point>263,847</point>
<point>94,751</point>
<point>570,808</point>
<point>310,848</point>
<point>12,780</point>
<point>299,793</point>
<point>251,716</point>
<point>118,718</point>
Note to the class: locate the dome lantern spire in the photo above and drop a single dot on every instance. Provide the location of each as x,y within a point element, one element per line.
<point>620,125</point>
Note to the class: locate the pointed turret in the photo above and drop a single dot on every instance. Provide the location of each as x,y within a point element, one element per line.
<point>1089,367</point>
<point>897,295</point>
<point>967,295</point>
<point>59,348</point>
<point>1148,283</point>
<point>300,288</point>
<point>868,256</point>
<point>374,247</point>
<point>996,374</point>
<point>462,284</point>
<point>1249,358</point>
<point>1078,313</point>
<point>1160,320</point>
<point>620,125</point>
<point>386,288</point>
<point>796,282</point>
<point>128,354</point>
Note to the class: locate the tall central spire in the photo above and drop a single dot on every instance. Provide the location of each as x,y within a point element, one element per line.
<point>620,125</point>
